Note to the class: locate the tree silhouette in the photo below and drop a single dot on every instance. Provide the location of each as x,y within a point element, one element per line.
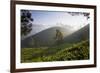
<point>59,37</point>
<point>26,22</point>
<point>34,42</point>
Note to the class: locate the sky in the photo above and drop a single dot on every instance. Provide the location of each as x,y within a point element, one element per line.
<point>52,18</point>
<point>47,19</point>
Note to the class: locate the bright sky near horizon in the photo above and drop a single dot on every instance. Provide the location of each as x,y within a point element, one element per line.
<point>58,18</point>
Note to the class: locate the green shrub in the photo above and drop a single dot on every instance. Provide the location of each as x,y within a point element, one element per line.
<point>64,52</point>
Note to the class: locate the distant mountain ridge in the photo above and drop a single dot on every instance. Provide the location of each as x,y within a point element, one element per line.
<point>81,34</point>
<point>46,37</point>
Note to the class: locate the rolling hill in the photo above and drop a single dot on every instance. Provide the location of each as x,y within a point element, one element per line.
<point>46,37</point>
<point>78,36</point>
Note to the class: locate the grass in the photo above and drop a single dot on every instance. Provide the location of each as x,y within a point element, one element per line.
<point>63,52</point>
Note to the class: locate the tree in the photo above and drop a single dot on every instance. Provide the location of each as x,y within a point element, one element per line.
<point>59,37</point>
<point>34,42</point>
<point>26,22</point>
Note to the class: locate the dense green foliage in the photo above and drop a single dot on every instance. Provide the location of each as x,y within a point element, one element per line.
<point>59,37</point>
<point>26,22</point>
<point>63,52</point>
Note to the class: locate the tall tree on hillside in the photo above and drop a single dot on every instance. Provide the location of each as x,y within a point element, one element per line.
<point>26,22</point>
<point>59,37</point>
<point>35,42</point>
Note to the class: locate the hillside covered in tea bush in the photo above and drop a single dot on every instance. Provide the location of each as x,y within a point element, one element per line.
<point>63,52</point>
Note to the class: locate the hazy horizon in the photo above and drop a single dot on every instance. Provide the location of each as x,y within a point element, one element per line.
<point>47,19</point>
